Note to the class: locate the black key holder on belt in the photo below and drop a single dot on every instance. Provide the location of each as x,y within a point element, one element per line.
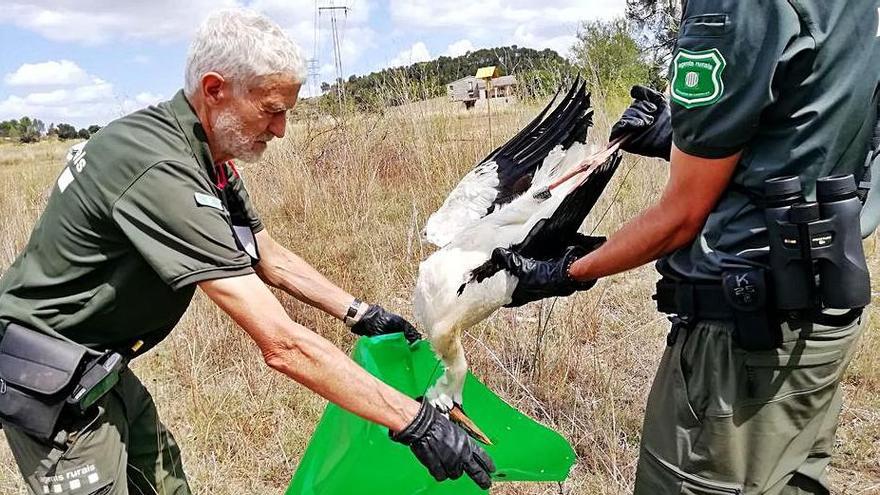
<point>755,326</point>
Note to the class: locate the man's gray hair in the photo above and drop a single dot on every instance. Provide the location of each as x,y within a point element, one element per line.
<point>241,45</point>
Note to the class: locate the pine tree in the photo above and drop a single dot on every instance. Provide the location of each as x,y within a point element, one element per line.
<point>656,24</point>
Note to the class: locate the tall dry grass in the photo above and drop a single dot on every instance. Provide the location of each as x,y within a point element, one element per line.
<point>351,195</point>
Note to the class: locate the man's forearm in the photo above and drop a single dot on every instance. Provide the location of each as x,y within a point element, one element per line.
<point>284,270</point>
<point>319,365</point>
<point>645,238</point>
<point>305,356</point>
<point>695,184</point>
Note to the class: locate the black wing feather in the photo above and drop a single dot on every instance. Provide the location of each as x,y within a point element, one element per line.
<point>550,237</point>
<point>518,159</point>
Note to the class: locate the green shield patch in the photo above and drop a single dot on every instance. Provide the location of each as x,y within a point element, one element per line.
<point>696,77</point>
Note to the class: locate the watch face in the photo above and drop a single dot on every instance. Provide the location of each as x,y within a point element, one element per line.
<point>352,312</point>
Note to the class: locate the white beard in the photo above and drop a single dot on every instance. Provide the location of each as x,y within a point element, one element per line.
<point>232,139</point>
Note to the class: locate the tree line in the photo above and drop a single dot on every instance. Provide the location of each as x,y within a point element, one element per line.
<point>424,80</point>
<point>32,130</point>
<point>612,54</point>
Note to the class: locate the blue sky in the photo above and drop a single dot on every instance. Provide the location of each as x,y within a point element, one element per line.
<point>90,61</point>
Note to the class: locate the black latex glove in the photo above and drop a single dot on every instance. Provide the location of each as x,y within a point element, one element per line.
<point>540,279</point>
<point>444,448</point>
<point>647,122</point>
<point>378,321</point>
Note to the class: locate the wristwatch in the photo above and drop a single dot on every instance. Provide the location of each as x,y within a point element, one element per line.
<point>355,312</point>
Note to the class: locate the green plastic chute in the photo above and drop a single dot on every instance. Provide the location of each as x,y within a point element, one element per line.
<point>350,456</point>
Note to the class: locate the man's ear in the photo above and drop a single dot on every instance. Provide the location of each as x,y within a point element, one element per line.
<point>215,88</point>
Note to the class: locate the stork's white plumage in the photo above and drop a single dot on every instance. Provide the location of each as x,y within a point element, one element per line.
<point>475,219</point>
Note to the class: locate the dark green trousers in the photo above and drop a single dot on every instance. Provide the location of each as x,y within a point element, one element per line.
<point>721,420</point>
<point>121,449</point>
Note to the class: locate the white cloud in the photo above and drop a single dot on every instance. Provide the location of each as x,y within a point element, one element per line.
<point>93,22</point>
<point>51,73</point>
<point>100,21</point>
<point>496,15</point>
<point>460,47</point>
<point>560,43</point>
<point>418,52</point>
<point>548,24</point>
<point>146,99</point>
<point>79,98</point>
<point>83,100</point>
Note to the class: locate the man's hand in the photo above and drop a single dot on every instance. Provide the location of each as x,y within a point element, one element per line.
<point>378,321</point>
<point>647,122</point>
<point>541,279</point>
<point>444,448</point>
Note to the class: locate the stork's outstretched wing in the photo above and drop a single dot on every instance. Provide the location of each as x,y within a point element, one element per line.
<point>550,237</point>
<point>507,172</point>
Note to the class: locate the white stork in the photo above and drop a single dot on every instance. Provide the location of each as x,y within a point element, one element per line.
<point>494,205</point>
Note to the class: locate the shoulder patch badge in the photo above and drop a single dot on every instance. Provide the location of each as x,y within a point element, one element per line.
<point>696,77</point>
<point>209,201</point>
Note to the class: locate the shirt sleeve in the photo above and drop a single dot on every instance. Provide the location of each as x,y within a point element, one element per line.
<point>181,228</point>
<point>240,205</point>
<point>722,72</point>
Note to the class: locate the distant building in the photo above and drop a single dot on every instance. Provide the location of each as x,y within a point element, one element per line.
<point>470,89</point>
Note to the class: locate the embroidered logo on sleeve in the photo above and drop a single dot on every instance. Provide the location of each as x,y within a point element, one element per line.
<point>696,77</point>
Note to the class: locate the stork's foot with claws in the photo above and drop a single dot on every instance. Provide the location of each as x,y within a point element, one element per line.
<point>450,405</point>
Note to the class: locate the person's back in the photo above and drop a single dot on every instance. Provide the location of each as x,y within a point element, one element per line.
<point>93,261</point>
<point>747,395</point>
<point>797,83</point>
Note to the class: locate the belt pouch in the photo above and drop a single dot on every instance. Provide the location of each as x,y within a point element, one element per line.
<point>756,328</point>
<point>36,375</point>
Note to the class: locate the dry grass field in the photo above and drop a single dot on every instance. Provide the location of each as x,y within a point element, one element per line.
<point>351,196</point>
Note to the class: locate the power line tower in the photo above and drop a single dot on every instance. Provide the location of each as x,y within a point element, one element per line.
<point>314,64</point>
<point>333,12</point>
<point>314,75</point>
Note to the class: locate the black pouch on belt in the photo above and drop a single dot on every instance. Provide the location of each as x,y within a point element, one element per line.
<point>37,374</point>
<point>756,326</point>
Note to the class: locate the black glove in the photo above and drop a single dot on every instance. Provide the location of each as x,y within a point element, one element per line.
<point>647,122</point>
<point>444,448</point>
<point>539,279</point>
<point>377,321</point>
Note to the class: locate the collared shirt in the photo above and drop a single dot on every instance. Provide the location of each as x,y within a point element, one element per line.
<point>133,222</point>
<point>791,83</point>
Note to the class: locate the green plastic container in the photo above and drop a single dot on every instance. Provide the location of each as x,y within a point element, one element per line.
<point>350,456</point>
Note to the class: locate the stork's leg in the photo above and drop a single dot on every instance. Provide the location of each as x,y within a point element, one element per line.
<point>446,392</point>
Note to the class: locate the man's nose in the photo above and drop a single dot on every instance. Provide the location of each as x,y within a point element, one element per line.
<point>278,124</point>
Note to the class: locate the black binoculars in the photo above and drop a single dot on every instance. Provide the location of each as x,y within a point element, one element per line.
<point>816,255</point>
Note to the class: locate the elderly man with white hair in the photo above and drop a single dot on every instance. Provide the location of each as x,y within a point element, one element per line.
<point>147,210</point>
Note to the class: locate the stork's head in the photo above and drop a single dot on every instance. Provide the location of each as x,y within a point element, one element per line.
<point>242,76</point>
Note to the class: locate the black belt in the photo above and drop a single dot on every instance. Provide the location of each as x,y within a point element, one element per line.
<point>706,301</point>
<point>703,301</point>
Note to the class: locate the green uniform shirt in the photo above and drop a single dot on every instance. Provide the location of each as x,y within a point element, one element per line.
<point>133,222</point>
<point>792,83</point>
